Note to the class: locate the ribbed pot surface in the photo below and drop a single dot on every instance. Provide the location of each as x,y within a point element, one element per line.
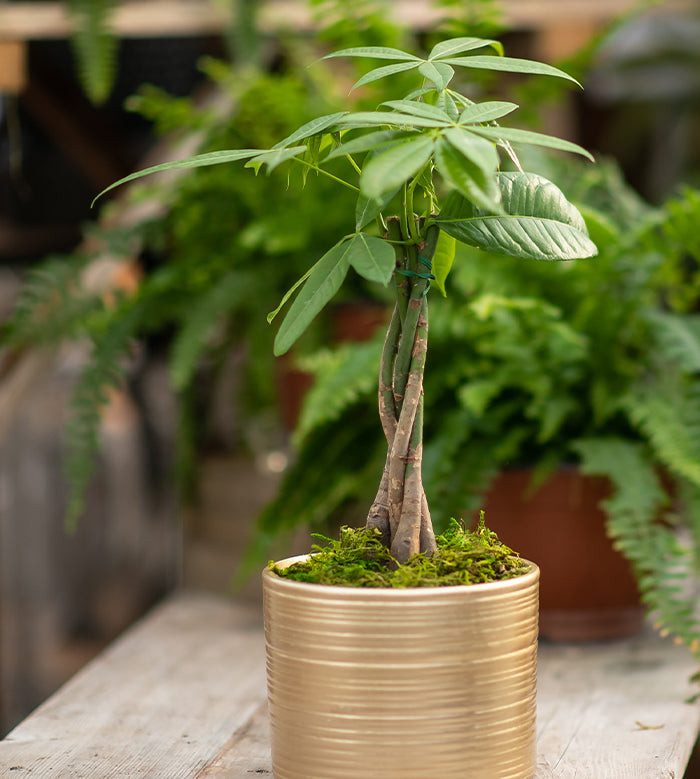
<point>424,683</point>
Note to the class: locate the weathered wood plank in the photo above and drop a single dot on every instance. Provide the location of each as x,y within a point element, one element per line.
<point>246,754</point>
<point>160,703</point>
<point>615,710</point>
<point>183,695</point>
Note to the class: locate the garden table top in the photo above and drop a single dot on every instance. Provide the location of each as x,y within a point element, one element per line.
<point>182,694</point>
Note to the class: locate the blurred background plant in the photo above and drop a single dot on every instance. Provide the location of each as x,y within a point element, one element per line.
<point>219,235</point>
<point>95,46</point>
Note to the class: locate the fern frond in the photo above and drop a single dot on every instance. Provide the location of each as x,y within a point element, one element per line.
<point>94,46</point>
<point>663,565</point>
<point>105,369</point>
<point>689,501</point>
<point>199,325</point>
<point>678,337</point>
<point>457,469</point>
<point>343,377</point>
<point>52,305</point>
<point>669,418</point>
<point>681,223</point>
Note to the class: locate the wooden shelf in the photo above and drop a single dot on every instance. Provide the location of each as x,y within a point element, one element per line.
<point>170,18</point>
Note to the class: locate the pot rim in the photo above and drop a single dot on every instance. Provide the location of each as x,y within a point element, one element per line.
<point>515,582</point>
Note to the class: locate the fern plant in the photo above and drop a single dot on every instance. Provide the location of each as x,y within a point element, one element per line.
<point>95,46</point>
<point>425,170</point>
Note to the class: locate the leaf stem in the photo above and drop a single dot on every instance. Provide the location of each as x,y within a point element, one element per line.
<point>326,173</point>
<point>358,170</point>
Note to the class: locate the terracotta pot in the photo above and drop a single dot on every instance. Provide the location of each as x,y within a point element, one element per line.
<point>359,320</point>
<point>403,684</point>
<point>588,591</point>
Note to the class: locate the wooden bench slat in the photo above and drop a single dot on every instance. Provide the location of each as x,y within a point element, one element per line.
<point>616,709</point>
<point>159,703</point>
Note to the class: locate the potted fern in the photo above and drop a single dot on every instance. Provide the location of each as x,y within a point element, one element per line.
<point>446,672</point>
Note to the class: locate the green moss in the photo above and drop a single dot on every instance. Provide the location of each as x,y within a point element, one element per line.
<point>359,559</point>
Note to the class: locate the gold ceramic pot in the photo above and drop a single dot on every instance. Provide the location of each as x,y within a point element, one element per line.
<point>421,683</point>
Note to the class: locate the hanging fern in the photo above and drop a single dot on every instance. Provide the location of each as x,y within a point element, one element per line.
<point>94,46</point>
<point>200,323</point>
<point>52,304</point>
<point>663,565</point>
<point>105,369</point>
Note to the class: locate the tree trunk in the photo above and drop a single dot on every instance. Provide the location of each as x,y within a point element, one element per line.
<point>400,509</point>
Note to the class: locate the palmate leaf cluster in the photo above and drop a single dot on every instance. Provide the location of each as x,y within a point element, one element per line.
<point>596,363</point>
<point>434,135</point>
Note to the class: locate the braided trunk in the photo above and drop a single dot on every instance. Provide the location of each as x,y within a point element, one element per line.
<point>400,509</point>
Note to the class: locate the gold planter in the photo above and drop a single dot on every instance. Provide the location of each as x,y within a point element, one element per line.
<point>424,683</point>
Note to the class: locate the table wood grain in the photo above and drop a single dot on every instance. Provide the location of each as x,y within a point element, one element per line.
<point>182,694</point>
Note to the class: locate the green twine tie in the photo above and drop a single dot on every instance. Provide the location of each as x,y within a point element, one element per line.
<point>429,275</point>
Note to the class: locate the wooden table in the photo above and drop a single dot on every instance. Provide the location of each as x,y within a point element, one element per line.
<point>182,694</point>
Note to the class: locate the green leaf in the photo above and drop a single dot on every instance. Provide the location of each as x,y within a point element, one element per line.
<point>510,65</point>
<point>459,45</point>
<point>446,102</point>
<point>315,126</point>
<point>363,143</point>
<point>274,157</point>
<point>385,70</point>
<point>367,209</point>
<point>538,223</point>
<point>288,294</point>
<point>415,108</point>
<point>442,259</point>
<point>486,112</point>
<point>467,178</point>
<point>392,168</point>
<point>437,72</point>
<point>480,151</point>
<point>198,161</point>
<point>373,118</point>
<point>323,282</point>
<point>373,258</point>
<point>528,136</point>
<point>378,52</point>
<point>421,92</point>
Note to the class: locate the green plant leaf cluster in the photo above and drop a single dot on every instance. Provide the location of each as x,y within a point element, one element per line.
<point>433,130</point>
<point>418,164</point>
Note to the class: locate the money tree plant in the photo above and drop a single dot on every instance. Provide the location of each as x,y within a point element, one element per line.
<point>427,171</point>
